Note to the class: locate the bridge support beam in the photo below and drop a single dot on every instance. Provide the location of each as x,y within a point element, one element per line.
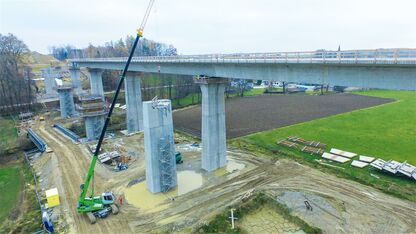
<point>134,103</point>
<point>96,82</point>
<point>214,146</point>
<point>76,79</point>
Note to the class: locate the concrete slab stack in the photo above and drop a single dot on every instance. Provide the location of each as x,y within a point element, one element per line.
<point>159,146</point>
<point>134,103</point>
<point>213,122</point>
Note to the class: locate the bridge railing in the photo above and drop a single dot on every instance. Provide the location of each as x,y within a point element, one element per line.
<point>381,56</point>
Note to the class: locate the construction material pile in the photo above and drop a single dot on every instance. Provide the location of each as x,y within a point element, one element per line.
<point>395,168</point>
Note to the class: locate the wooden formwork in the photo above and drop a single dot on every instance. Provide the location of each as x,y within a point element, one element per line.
<point>307,143</point>
<point>312,150</point>
<point>288,143</point>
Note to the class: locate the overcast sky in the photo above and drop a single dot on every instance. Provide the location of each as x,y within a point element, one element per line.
<point>216,26</point>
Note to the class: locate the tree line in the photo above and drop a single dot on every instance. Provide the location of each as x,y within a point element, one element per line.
<point>119,48</point>
<point>16,93</point>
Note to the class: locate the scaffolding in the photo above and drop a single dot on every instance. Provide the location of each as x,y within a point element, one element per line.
<point>166,148</point>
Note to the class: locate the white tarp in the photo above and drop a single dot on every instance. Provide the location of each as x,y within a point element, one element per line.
<point>359,164</point>
<point>335,158</point>
<point>366,159</point>
<point>343,153</point>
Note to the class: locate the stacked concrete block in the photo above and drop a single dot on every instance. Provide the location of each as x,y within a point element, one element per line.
<point>134,103</point>
<point>159,146</point>
<point>213,123</point>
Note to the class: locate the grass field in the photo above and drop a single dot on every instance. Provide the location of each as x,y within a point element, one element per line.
<point>10,182</point>
<point>386,131</point>
<point>8,134</point>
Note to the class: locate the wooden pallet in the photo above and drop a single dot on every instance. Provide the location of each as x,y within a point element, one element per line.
<point>287,143</point>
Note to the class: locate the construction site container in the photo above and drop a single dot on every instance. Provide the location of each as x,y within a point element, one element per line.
<point>52,196</point>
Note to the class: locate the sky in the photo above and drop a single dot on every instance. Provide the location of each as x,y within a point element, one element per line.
<point>216,26</point>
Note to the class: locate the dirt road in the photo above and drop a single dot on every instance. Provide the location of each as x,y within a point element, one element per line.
<point>340,206</point>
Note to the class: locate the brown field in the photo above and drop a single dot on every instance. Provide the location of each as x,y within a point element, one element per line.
<point>254,114</point>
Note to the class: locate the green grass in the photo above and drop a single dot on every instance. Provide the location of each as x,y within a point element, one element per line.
<point>10,182</point>
<point>8,134</point>
<point>386,131</point>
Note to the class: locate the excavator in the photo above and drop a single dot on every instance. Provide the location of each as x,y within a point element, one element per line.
<point>101,206</point>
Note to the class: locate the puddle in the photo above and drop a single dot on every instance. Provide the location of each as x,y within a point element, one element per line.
<point>140,197</point>
<point>230,168</point>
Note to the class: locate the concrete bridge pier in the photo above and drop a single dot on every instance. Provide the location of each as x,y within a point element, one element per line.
<point>134,103</point>
<point>66,101</point>
<point>96,82</point>
<point>214,148</point>
<point>49,80</point>
<point>76,79</point>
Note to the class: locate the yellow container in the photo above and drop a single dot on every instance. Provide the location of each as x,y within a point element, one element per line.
<point>52,197</point>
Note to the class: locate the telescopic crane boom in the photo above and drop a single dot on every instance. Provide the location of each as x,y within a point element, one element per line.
<point>99,205</point>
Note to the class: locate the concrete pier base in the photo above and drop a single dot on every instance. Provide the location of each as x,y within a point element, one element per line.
<point>66,101</point>
<point>76,79</point>
<point>134,103</point>
<point>159,146</point>
<point>96,82</point>
<point>214,147</point>
<point>94,126</point>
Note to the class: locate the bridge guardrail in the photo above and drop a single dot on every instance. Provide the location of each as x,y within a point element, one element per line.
<point>381,56</point>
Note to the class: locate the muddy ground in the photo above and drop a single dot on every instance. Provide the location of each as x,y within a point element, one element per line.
<point>340,206</point>
<point>254,114</point>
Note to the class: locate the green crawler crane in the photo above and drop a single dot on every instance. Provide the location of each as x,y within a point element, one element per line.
<point>102,205</point>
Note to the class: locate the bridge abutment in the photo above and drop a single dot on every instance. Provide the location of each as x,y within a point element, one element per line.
<point>213,133</point>
<point>133,98</point>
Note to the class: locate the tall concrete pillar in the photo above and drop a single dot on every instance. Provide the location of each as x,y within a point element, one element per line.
<point>134,103</point>
<point>96,82</point>
<point>159,146</point>
<point>49,80</point>
<point>76,79</point>
<point>66,101</point>
<point>214,147</point>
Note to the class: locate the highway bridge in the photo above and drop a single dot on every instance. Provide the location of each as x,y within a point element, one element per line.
<point>383,68</point>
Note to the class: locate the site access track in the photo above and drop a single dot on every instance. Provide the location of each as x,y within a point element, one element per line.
<point>359,208</point>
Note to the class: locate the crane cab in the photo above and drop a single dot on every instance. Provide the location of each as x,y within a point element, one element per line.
<point>107,198</point>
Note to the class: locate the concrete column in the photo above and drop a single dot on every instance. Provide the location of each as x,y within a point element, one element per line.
<point>66,101</point>
<point>159,146</point>
<point>94,126</point>
<point>96,82</point>
<point>214,147</point>
<point>49,80</point>
<point>134,103</point>
<point>76,79</point>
